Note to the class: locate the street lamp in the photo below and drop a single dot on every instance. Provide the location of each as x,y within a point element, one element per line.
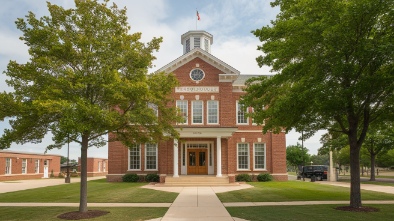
<point>67,180</point>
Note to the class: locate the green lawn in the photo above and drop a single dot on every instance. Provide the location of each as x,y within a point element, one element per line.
<point>99,191</point>
<point>310,212</point>
<point>296,191</point>
<point>51,213</point>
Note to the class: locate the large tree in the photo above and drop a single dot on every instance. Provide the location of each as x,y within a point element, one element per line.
<point>87,76</point>
<point>334,61</point>
<point>380,139</point>
<point>296,155</point>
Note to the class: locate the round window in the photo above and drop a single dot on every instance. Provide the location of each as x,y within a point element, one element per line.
<point>197,74</point>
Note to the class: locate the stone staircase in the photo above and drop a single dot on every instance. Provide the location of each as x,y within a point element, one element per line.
<point>197,180</point>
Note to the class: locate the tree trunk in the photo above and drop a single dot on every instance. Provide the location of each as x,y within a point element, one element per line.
<point>355,192</point>
<point>373,156</point>
<point>83,194</point>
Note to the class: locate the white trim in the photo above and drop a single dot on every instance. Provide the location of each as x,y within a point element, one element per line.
<point>37,166</point>
<point>128,166</point>
<point>146,161</point>
<point>217,112</point>
<point>8,168</point>
<point>248,169</point>
<point>187,110</point>
<point>236,115</point>
<point>202,111</point>
<point>25,166</point>
<point>254,157</point>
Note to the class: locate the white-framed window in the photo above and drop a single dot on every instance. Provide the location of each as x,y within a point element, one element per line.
<point>197,108</point>
<point>197,42</point>
<point>259,156</point>
<point>37,166</point>
<point>154,108</point>
<point>243,156</point>
<point>7,165</point>
<point>24,166</point>
<point>151,156</point>
<point>182,107</point>
<point>187,45</point>
<point>206,44</point>
<point>99,166</point>
<point>212,112</point>
<point>241,114</point>
<point>135,157</point>
<point>104,166</point>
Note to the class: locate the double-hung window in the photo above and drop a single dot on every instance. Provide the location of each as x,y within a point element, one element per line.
<point>37,166</point>
<point>213,111</point>
<point>241,114</point>
<point>151,156</point>
<point>259,156</point>
<point>182,108</point>
<point>135,157</point>
<point>243,156</point>
<point>197,108</point>
<point>24,166</point>
<point>7,165</point>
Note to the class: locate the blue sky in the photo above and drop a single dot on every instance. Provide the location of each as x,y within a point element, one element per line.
<point>230,22</point>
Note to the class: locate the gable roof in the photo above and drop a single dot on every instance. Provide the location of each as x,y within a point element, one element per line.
<point>207,57</point>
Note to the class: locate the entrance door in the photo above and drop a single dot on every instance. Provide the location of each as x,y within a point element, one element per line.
<point>197,163</point>
<point>46,165</point>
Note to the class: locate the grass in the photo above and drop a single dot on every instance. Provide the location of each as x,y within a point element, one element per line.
<point>310,212</point>
<point>378,183</point>
<point>99,191</point>
<point>296,191</point>
<point>51,213</point>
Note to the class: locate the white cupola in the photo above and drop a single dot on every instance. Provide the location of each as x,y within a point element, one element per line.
<point>196,39</point>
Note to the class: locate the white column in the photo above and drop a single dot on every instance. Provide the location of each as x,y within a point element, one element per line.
<point>219,156</point>
<point>332,170</point>
<point>176,158</point>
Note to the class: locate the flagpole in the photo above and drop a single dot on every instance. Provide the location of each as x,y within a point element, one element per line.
<point>196,19</point>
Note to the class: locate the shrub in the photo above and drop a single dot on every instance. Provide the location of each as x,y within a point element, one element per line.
<point>74,174</point>
<point>243,177</point>
<point>131,177</point>
<point>152,178</point>
<point>52,174</point>
<point>264,177</point>
<point>61,175</point>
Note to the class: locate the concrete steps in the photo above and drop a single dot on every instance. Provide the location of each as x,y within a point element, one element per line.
<point>197,180</point>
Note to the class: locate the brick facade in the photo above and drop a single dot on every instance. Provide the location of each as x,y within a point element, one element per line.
<point>227,83</point>
<point>95,166</point>
<point>34,165</point>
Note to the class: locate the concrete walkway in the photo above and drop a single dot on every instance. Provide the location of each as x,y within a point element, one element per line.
<point>16,185</point>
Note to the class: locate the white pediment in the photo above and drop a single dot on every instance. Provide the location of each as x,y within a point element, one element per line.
<point>205,56</point>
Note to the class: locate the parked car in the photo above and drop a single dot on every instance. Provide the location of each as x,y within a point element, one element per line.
<point>319,171</point>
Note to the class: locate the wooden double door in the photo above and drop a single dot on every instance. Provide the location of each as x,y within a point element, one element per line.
<point>197,161</point>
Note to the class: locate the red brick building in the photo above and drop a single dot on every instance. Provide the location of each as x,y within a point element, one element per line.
<point>23,165</point>
<point>95,166</point>
<point>216,137</point>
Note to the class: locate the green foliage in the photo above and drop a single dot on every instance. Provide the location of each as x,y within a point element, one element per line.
<point>335,71</point>
<point>264,177</point>
<point>152,177</point>
<point>297,155</point>
<point>130,177</point>
<point>52,174</point>
<point>243,178</point>
<point>74,174</point>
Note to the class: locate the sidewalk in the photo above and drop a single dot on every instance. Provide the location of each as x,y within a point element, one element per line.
<point>16,185</point>
<point>371,187</point>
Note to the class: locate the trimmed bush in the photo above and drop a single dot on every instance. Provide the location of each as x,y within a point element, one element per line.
<point>152,178</point>
<point>264,177</point>
<point>243,177</point>
<point>131,177</point>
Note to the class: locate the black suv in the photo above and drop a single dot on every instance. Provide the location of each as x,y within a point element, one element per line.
<point>319,171</point>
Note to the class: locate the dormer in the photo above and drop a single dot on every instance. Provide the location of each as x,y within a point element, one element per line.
<point>196,39</point>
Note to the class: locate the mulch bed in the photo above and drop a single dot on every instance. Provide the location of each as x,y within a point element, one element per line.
<point>76,215</point>
<point>365,209</point>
